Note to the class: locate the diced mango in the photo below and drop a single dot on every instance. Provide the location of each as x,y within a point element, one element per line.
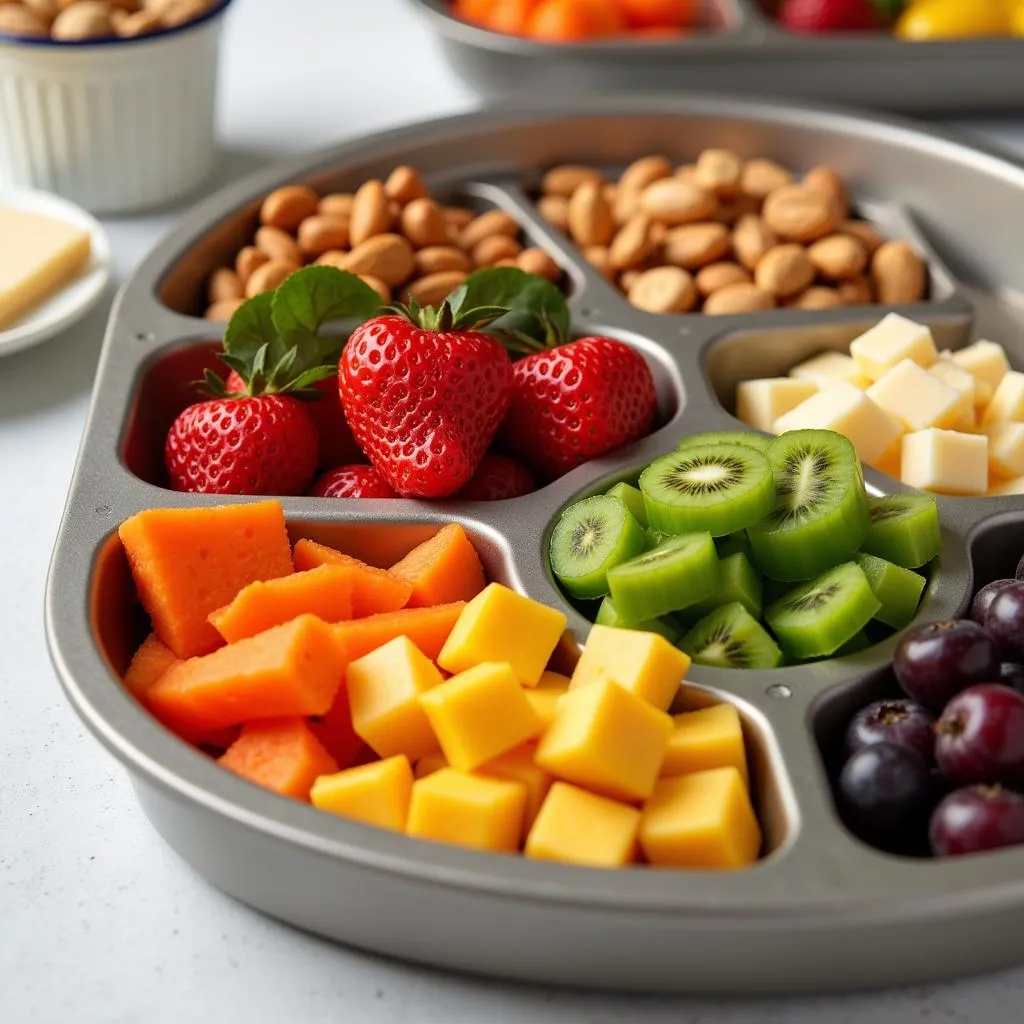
<point>917,399</point>
<point>643,663</point>
<point>553,681</point>
<point>384,689</point>
<point>704,820</point>
<point>893,339</point>
<point>1007,405</point>
<point>760,403</point>
<point>1006,449</point>
<point>375,794</point>
<point>710,738</point>
<point>499,625</point>
<point>847,410</point>
<point>519,766</point>
<point>544,696</point>
<point>480,714</point>
<point>985,361</point>
<point>830,368</point>
<point>577,827</point>
<point>1014,486</point>
<point>428,764</point>
<point>468,810</point>
<point>607,739</point>
<point>946,461</point>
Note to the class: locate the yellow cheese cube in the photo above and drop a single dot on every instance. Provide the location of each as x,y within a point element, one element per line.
<point>891,460</point>
<point>893,339</point>
<point>830,368</point>
<point>1007,405</point>
<point>38,257</point>
<point>519,766</point>
<point>760,403</point>
<point>1006,449</point>
<point>375,794</point>
<point>985,360</point>
<point>384,689</point>
<point>710,738</point>
<point>946,461</point>
<point>704,820</point>
<point>847,410</point>
<point>957,377</point>
<point>577,827</point>
<point>643,663</point>
<point>467,810</point>
<point>607,739</point>
<point>917,399</point>
<point>983,393</point>
<point>501,625</point>
<point>1003,488</point>
<point>428,764</point>
<point>480,714</point>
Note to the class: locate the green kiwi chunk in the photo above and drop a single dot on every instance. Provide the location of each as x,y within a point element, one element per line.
<point>898,589</point>
<point>739,583</point>
<point>608,615</point>
<point>903,529</point>
<point>730,637</point>
<point>632,499</point>
<point>745,437</point>
<point>734,543</point>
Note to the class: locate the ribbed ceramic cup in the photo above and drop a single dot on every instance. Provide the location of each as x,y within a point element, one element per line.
<point>113,125</point>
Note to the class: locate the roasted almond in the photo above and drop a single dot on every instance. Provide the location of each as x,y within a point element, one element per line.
<point>333,258</point>
<point>555,210</point>
<point>599,258</point>
<point>321,232</point>
<point>856,292</point>
<point>247,261</point>
<point>695,245</point>
<point>632,243</point>
<point>225,285</point>
<point>457,216</point>
<point>675,201</point>
<point>716,276</point>
<point>898,274</point>
<point>738,298</point>
<point>643,172</point>
<point>379,286</point>
<point>824,179</point>
<point>590,216</point>
<point>338,204</point>
<point>731,208</point>
<point>784,270</point>
<point>423,223</point>
<point>493,222</point>
<point>761,177</point>
<point>278,245</point>
<point>751,239</point>
<point>20,21</point>
<point>838,256</point>
<point>435,288</point>
<point>268,277</point>
<point>494,250</point>
<point>286,208</point>
<point>865,233</point>
<point>566,178</point>
<point>800,214</point>
<point>817,297</point>
<point>537,261</point>
<point>718,171</point>
<point>626,205</point>
<point>404,184</point>
<point>664,290</point>
<point>388,257</point>
<point>437,258</point>
<point>370,213</point>
<point>223,310</point>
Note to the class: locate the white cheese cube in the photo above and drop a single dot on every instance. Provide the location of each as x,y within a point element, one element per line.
<point>828,368</point>
<point>889,342</point>
<point>1014,486</point>
<point>890,461</point>
<point>946,461</point>
<point>957,377</point>
<point>761,402</point>
<point>916,398</point>
<point>985,360</point>
<point>1006,449</point>
<point>847,410</point>
<point>983,392</point>
<point>1007,405</point>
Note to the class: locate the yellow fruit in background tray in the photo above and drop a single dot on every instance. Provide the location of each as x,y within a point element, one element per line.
<point>954,19</point>
<point>376,794</point>
<point>519,766</point>
<point>705,739</point>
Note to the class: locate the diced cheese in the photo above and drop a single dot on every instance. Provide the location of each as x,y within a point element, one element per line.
<point>760,403</point>
<point>829,368</point>
<point>890,461</point>
<point>847,410</point>
<point>38,257</point>
<point>957,377</point>
<point>916,398</point>
<point>1006,449</point>
<point>946,461</point>
<point>893,339</point>
<point>1007,405</point>
<point>1015,486</point>
<point>985,360</point>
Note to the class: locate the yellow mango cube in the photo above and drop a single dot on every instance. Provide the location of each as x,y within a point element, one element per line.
<point>480,714</point>
<point>946,461</point>
<point>1004,488</point>
<point>577,827</point>
<point>830,368</point>
<point>759,403</point>
<point>1007,405</point>
<point>643,663</point>
<point>709,738</point>
<point>985,361</point>
<point>467,810</point>
<point>607,739</point>
<point>893,339</point>
<point>916,398</point>
<point>1006,449</point>
<point>703,821</point>
<point>384,689</point>
<point>499,625</point>
<point>428,764</point>
<point>375,794</point>
<point>519,766</point>
<point>544,696</point>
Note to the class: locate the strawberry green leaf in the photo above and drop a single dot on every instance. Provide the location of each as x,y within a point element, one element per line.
<point>534,307</point>
<point>311,376</point>
<point>250,328</point>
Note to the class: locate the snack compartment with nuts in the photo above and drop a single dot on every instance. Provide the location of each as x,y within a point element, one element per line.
<point>75,21</point>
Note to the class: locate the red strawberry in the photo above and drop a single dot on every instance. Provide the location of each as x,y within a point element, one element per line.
<point>351,482</point>
<point>498,479</point>
<point>828,16</point>
<point>424,400</point>
<point>576,402</point>
<point>264,444</point>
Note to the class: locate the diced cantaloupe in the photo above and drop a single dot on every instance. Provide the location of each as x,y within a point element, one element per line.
<point>150,662</point>
<point>946,461</point>
<point>708,738</point>
<point>442,570</point>
<point>427,628</point>
<point>519,765</point>
<point>375,794</point>
<point>336,732</point>
<point>374,591</point>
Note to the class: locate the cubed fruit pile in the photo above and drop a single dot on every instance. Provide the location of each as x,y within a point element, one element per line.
<point>941,770</point>
<point>725,235</point>
<point>423,700</point>
<point>947,422</point>
<point>755,552</point>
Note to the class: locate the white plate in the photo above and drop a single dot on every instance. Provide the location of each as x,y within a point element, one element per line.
<point>75,299</point>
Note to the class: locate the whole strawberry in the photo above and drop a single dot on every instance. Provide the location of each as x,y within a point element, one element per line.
<point>498,479</point>
<point>828,16</point>
<point>351,482</point>
<point>576,402</point>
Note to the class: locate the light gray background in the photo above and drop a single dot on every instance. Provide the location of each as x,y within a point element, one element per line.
<point>99,922</point>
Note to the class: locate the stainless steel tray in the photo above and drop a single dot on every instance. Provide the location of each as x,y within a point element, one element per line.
<point>821,911</point>
<point>744,51</point>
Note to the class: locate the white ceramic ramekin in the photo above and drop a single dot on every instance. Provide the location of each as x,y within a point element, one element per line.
<point>113,125</point>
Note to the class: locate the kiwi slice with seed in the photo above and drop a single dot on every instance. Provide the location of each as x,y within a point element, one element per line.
<point>903,529</point>
<point>816,619</point>
<point>820,517</point>
<point>744,437</point>
<point>591,537</point>
<point>730,637</point>
<point>632,499</point>
<point>714,488</point>
<point>680,572</point>
<point>739,584</point>
<point>655,537</point>
<point>608,615</point>
<point>899,590</point>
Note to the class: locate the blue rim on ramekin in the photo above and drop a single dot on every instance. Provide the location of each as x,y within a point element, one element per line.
<point>73,44</point>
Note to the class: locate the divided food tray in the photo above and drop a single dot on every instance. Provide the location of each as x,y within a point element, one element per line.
<point>741,50</point>
<point>820,910</point>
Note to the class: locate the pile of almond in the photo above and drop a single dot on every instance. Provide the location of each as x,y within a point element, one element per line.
<point>392,234</point>
<point>79,20</point>
<point>725,235</point>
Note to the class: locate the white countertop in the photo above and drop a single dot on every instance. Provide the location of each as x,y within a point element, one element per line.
<point>99,922</point>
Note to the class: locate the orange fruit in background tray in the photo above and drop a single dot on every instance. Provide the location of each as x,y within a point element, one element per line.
<point>659,13</point>
<point>509,16</point>
<point>476,11</point>
<point>559,21</point>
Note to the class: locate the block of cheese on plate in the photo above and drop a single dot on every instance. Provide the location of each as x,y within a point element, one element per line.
<point>984,360</point>
<point>761,402</point>
<point>917,398</point>
<point>946,461</point>
<point>889,342</point>
<point>828,368</point>
<point>38,256</point>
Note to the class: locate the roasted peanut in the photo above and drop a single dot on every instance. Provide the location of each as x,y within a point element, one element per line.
<point>438,258</point>
<point>180,12</point>
<point>718,171</point>
<point>761,177</point>
<point>555,210</point>
<point>337,204</point>
<point>838,256</point>
<point>598,257</point>
<point>87,19</point>
<point>590,216</point>
<point>865,233</point>
<point>817,297</point>
<point>378,286</point>
<point>333,258</point>
<point>627,277</point>
<point>898,274</point>
<point>435,288</point>
<point>286,208</point>
<point>223,310</point>
<point>493,222</point>
<point>248,261</point>
<point>643,172</point>
<point>751,239</point>
<point>224,286</point>
<point>45,9</point>
<point>139,23</point>
<point>388,257</point>
<point>278,245</point>
<point>322,232</point>
<point>457,216</point>
<point>695,245</point>
<point>738,298</point>
<point>664,290</point>
<point>370,214</point>
<point>268,277</point>
<point>731,208</point>
<point>632,244</point>
<point>537,261</point>
<point>800,214</point>
<point>675,201</point>
<point>565,179</point>
<point>856,292</point>
<point>20,21</point>
<point>824,179</point>
<point>404,184</point>
<point>423,223</point>
<point>495,250</point>
<point>626,205</point>
<point>716,276</point>
<point>784,270</point>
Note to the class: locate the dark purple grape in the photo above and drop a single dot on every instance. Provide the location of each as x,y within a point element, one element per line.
<point>984,597</point>
<point>979,738</point>
<point>1020,569</point>
<point>936,661</point>
<point>975,819</point>
<point>1004,620</point>
<point>1012,674</point>
<point>886,793</point>
<point>900,721</point>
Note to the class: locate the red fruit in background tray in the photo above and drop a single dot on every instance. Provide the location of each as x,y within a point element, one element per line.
<point>660,13</point>
<point>498,479</point>
<point>577,401</point>
<point>828,16</point>
<point>980,736</point>
<point>352,482</point>
<point>976,819</point>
